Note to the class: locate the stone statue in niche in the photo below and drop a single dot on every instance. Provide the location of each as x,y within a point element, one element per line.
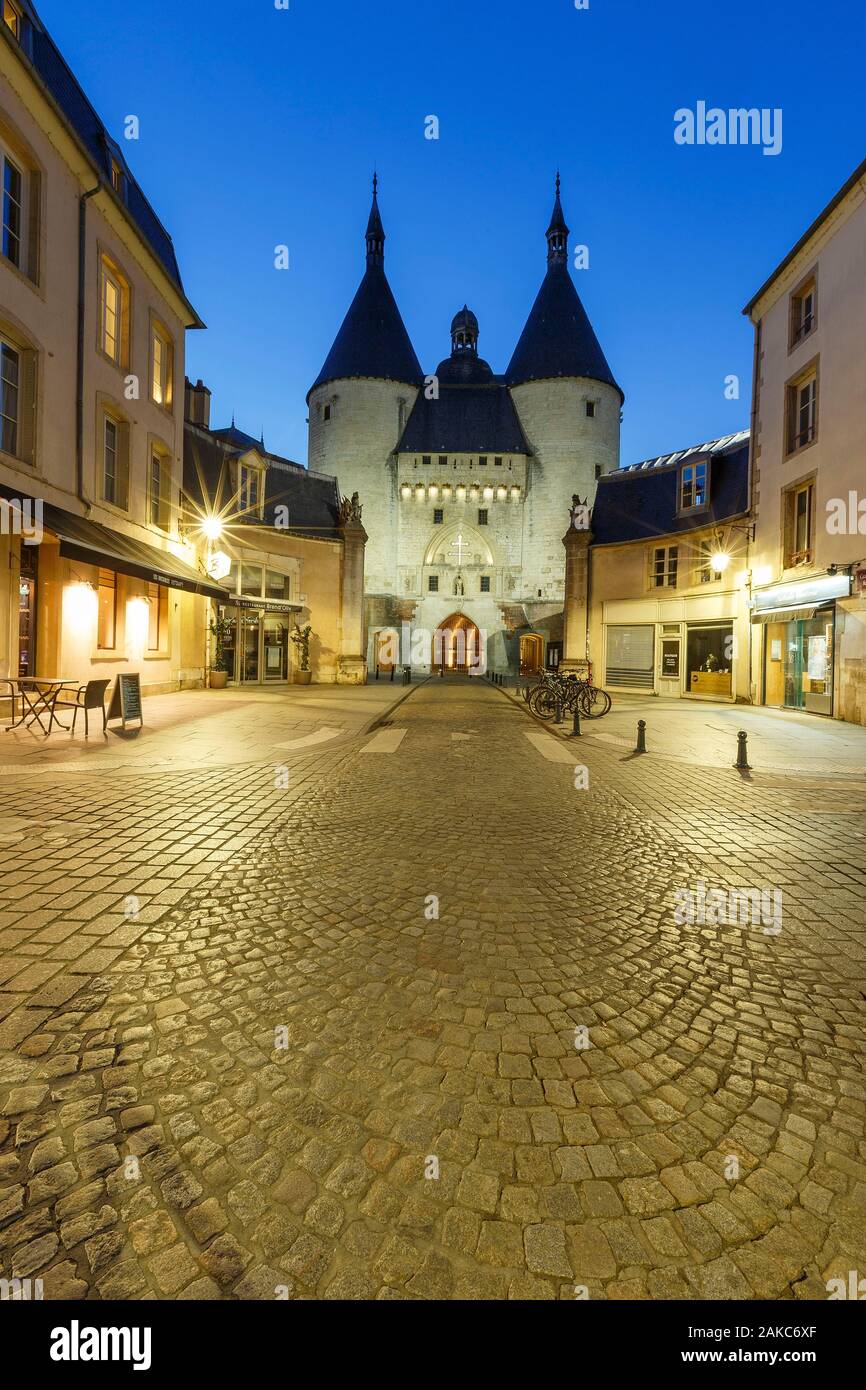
<point>459,589</point>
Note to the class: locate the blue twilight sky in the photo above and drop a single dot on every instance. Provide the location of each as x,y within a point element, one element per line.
<point>261,126</point>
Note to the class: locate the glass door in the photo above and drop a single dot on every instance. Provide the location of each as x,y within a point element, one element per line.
<point>794,697</point>
<point>250,641</point>
<point>275,634</point>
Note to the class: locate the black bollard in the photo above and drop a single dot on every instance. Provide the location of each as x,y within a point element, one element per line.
<point>641,736</point>
<point>742,764</point>
<point>576,726</point>
<point>393,669</point>
<point>558,710</point>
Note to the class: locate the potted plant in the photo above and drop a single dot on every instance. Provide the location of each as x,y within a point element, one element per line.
<point>221,630</point>
<point>301,639</point>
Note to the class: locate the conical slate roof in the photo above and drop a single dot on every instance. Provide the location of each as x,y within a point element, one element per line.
<point>558,340</point>
<point>372,341</point>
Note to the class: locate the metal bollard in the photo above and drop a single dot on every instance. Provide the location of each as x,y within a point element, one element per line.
<point>575,732</point>
<point>558,719</point>
<point>742,764</point>
<point>641,736</point>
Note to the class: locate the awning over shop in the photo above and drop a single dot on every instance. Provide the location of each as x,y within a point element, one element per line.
<point>94,544</point>
<point>782,615</point>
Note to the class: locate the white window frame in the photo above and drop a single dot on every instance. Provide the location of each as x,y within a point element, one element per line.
<point>161,367</point>
<point>21,202</point>
<point>664,570</point>
<point>691,475</point>
<point>8,350</point>
<point>108,278</point>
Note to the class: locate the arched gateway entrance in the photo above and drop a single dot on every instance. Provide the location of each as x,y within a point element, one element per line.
<point>457,645</point>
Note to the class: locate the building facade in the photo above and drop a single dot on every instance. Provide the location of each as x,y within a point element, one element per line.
<point>668,575</point>
<point>287,553</point>
<point>467,476</point>
<point>95,578</point>
<point>809,445</point>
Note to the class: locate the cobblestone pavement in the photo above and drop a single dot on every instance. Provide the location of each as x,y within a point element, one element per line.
<point>251,1083</point>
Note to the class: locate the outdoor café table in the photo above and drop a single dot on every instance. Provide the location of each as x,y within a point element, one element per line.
<point>38,695</point>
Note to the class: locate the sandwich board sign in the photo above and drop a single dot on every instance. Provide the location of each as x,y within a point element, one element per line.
<point>126,699</point>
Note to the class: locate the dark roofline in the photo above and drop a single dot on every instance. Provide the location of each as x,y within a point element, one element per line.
<point>858,174</point>
<point>77,138</point>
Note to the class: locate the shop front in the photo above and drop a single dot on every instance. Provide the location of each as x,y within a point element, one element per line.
<point>680,648</point>
<point>798,623</point>
<point>256,648</point>
<point>257,620</point>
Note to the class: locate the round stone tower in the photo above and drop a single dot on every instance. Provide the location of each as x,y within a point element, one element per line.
<point>569,406</point>
<point>360,402</point>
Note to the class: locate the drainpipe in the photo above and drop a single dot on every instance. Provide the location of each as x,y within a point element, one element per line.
<point>79,383</point>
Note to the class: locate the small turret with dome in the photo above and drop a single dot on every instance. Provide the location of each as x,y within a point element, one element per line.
<point>464,367</point>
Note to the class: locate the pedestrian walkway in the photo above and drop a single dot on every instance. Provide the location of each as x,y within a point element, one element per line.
<point>704,734</point>
<point>198,729</point>
<point>431,1025</point>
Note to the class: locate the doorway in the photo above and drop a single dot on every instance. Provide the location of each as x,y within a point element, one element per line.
<point>531,654</point>
<point>457,645</point>
<point>27,611</point>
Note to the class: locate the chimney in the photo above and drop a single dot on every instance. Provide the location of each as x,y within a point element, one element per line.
<point>197,404</point>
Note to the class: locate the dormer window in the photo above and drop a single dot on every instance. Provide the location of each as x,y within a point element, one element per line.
<point>118,178</point>
<point>693,486</point>
<point>12,18</point>
<point>250,490</point>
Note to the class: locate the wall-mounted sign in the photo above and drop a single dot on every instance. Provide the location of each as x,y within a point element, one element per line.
<point>219,565</point>
<point>803,593</point>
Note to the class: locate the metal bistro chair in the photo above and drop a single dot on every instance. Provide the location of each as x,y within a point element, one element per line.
<point>12,697</point>
<point>87,697</point>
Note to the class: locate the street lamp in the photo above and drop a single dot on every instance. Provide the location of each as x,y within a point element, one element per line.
<point>212,527</point>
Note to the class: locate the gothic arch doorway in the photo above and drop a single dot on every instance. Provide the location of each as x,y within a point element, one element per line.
<point>531,654</point>
<point>457,645</point>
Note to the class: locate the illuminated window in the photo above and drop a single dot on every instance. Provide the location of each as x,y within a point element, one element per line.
<point>10,398</point>
<point>106,633</point>
<point>12,18</point>
<point>13,211</point>
<point>162,368</point>
<point>114,313</point>
<point>157,618</point>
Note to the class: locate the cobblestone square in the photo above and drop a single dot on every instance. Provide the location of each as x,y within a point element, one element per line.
<point>299,1022</point>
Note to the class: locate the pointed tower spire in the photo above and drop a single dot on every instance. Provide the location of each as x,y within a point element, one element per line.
<point>558,339</point>
<point>375,234</point>
<point>372,342</point>
<point>558,232</point>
